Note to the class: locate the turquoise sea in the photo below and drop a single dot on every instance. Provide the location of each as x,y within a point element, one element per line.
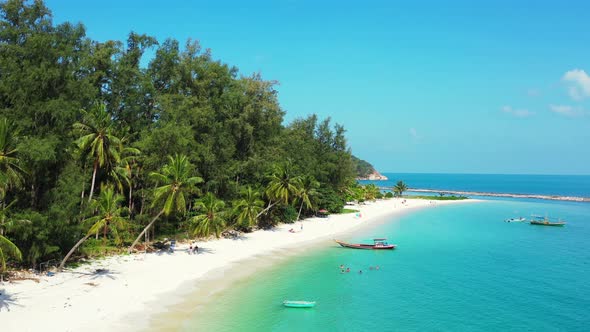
<point>457,268</point>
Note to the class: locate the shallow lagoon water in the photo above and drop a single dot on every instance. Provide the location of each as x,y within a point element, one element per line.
<point>458,267</point>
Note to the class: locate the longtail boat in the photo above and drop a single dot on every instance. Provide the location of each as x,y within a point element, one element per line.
<point>377,244</point>
<point>544,221</point>
<point>299,304</point>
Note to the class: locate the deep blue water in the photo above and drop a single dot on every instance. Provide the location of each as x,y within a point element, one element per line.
<point>562,185</point>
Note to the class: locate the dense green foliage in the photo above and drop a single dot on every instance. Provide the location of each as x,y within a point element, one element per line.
<point>183,140</point>
<point>363,168</point>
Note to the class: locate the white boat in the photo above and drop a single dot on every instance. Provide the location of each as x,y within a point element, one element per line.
<point>520,219</point>
<point>299,304</point>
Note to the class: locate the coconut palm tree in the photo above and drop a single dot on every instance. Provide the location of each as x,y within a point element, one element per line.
<point>248,207</point>
<point>176,181</point>
<point>399,188</point>
<point>97,140</point>
<point>307,192</point>
<point>211,219</point>
<point>11,174</point>
<point>108,205</point>
<point>7,249</point>
<point>125,172</point>
<point>282,187</point>
<point>371,192</point>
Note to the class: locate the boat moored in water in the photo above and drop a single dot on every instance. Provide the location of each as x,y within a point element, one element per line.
<point>521,219</point>
<point>544,221</point>
<point>299,304</point>
<point>377,244</point>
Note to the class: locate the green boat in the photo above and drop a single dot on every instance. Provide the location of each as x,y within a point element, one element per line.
<point>299,304</point>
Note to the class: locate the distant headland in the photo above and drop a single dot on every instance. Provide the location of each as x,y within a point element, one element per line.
<point>366,171</point>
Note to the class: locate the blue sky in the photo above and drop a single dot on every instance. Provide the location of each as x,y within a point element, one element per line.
<point>431,86</point>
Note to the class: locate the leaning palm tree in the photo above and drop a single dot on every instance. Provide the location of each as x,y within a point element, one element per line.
<point>97,140</point>
<point>248,208</point>
<point>176,181</point>
<point>7,249</point>
<point>11,174</point>
<point>307,192</point>
<point>211,219</point>
<point>283,186</point>
<point>108,205</point>
<point>399,188</point>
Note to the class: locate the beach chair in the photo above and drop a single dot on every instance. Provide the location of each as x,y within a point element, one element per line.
<point>172,245</point>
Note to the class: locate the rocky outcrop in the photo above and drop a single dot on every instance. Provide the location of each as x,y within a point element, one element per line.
<point>375,176</point>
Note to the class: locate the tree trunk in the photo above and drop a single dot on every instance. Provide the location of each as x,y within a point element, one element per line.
<point>301,207</point>
<point>267,208</point>
<point>104,238</point>
<point>130,197</point>
<point>63,262</point>
<point>142,204</point>
<point>145,230</point>
<point>93,179</point>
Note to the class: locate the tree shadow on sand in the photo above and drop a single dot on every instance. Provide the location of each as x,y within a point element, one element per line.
<point>100,273</point>
<point>7,300</point>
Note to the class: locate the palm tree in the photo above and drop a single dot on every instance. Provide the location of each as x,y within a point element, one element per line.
<point>283,186</point>
<point>122,175</point>
<point>7,248</point>
<point>306,193</point>
<point>212,217</point>
<point>97,140</point>
<point>177,181</point>
<point>108,205</point>
<point>371,192</point>
<point>248,208</point>
<point>399,188</point>
<point>11,174</point>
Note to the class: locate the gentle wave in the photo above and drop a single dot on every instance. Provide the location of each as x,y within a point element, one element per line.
<point>477,193</point>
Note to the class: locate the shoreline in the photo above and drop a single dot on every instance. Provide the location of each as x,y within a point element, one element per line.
<point>509,195</point>
<point>131,288</point>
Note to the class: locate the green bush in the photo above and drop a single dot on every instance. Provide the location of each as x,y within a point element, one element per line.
<point>330,201</point>
<point>389,194</point>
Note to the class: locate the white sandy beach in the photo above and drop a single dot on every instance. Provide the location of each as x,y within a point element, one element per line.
<point>81,300</point>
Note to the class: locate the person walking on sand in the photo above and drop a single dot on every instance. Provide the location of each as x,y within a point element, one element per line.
<point>190,249</point>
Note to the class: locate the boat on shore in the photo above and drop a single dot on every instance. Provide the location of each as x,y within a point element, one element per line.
<point>520,219</point>
<point>544,221</point>
<point>299,304</point>
<point>377,244</point>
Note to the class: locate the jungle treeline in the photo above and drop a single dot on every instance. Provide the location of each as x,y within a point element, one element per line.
<point>101,147</point>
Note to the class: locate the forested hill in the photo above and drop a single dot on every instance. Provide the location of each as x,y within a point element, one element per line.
<point>92,143</point>
<point>366,171</point>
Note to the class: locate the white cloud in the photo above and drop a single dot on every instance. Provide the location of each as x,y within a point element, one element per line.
<point>580,83</point>
<point>566,110</point>
<point>521,113</point>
